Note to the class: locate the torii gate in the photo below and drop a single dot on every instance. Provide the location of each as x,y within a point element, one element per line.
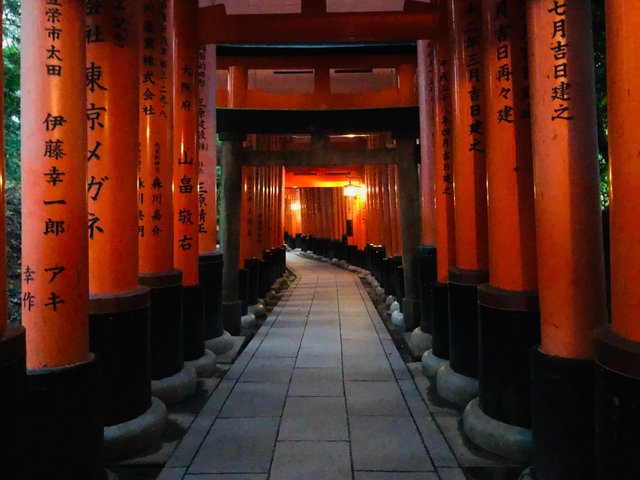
<point>501,261</point>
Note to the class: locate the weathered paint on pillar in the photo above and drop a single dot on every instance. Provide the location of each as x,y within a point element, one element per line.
<point>445,224</point>
<point>155,167</point>
<point>566,175</point>
<point>248,244</point>
<point>230,229</point>
<point>410,218</point>
<point>207,185</point>
<point>468,137</point>
<point>185,149</point>
<point>112,97</point>
<point>623,23</point>
<point>237,88</point>
<point>512,247</point>
<point>407,83</point>
<point>55,282</point>
<point>427,138</point>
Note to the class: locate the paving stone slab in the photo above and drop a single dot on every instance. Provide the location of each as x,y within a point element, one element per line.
<point>228,476</point>
<point>275,370</point>
<point>395,476</point>
<point>237,445</point>
<point>314,419</point>
<point>360,367</point>
<point>255,399</point>
<point>451,474</point>
<point>311,461</point>
<point>375,398</point>
<point>387,444</point>
<point>316,382</point>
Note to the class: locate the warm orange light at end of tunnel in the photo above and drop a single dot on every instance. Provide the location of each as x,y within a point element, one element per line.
<point>351,190</point>
<point>295,207</point>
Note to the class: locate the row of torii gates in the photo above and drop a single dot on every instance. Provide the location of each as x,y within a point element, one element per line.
<point>509,201</point>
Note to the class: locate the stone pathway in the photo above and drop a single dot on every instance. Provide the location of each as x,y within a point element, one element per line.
<point>319,393</point>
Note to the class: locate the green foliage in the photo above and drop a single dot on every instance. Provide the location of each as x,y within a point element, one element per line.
<point>600,61</point>
<point>11,51</point>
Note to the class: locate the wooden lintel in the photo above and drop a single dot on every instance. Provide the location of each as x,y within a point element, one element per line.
<point>308,158</point>
<point>302,62</point>
<point>417,21</point>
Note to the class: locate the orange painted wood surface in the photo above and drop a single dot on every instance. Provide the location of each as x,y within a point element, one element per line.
<point>512,246</point>
<point>566,177</point>
<point>420,21</point>
<point>427,139</point>
<point>468,136</point>
<point>185,148</point>
<point>112,62</point>
<point>443,143</point>
<point>55,260</point>
<point>155,167</point>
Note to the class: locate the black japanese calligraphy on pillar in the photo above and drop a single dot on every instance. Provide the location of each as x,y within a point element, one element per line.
<point>559,48</point>
<point>443,113</point>
<point>472,31</point>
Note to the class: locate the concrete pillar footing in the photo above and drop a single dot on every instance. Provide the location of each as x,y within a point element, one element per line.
<point>248,321</point>
<point>509,441</point>
<point>397,318</point>
<point>419,342</point>
<point>176,388</point>
<point>205,366</point>
<point>221,344</point>
<point>455,387</point>
<point>527,475</point>
<point>127,438</point>
<point>257,310</point>
<point>431,364</point>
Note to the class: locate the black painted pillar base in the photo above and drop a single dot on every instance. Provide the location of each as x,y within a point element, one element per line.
<point>463,320</point>
<point>440,320</point>
<point>193,322</point>
<point>562,417</point>
<point>64,423</point>
<point>12,403</point>
<point>210,276</point>
<point>232,313</point>
<point>428,269</point>
<point>252,265</point>
<point>509,326</point>
<point>119,335</point>
<point>167,344</point>
<point>617,406</point>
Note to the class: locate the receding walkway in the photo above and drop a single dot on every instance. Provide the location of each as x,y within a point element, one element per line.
<point>320,393</point>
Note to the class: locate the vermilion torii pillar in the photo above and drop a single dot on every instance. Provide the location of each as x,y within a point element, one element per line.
<point>172,381</point>
<point>569,237</point>
<point>458,383</point>
<point>64,413</point>
<point>410,221</point>
<point>499,420</point>
<point>186,202</point>
<point>230,229</point>
<point>217,340</point>
<point>12,349</point>
<point>617,352</point>
<point>118,306</point>
<point>444,214</point>
<point>420,340</point>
